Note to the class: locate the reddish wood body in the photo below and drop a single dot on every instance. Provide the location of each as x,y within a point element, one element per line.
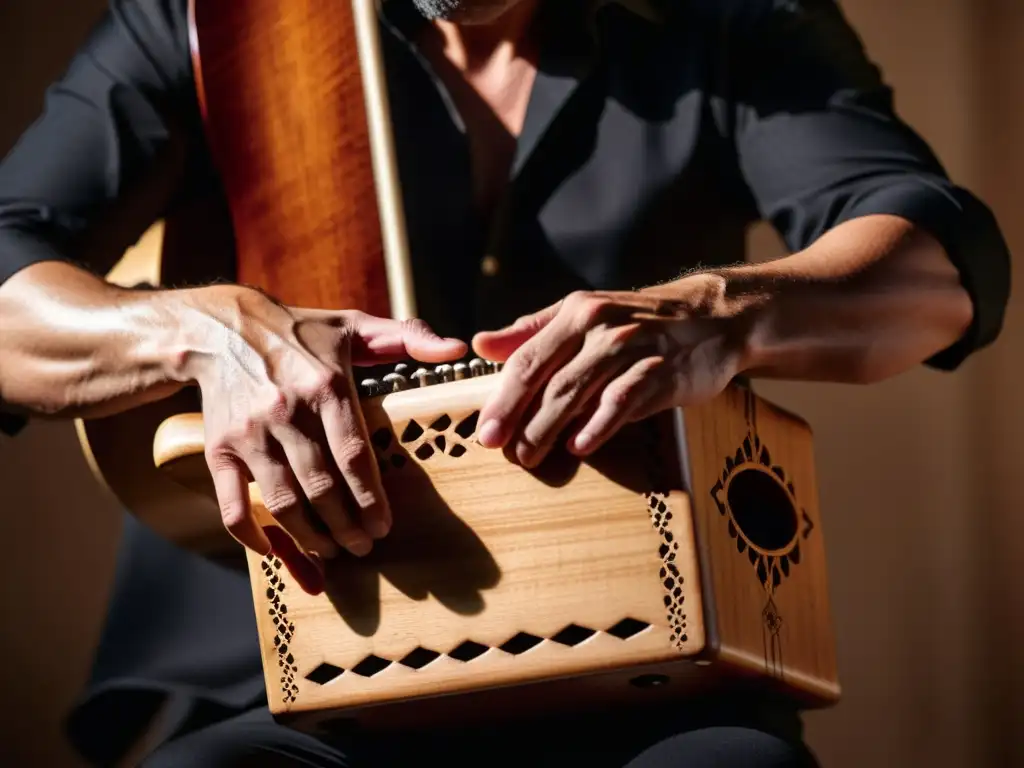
<point>283,102</point>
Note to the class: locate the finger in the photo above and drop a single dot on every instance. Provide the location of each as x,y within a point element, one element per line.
<point>522,378</point>
<point>634,392</point>
<point>284,501</point>
<point>353,454</point>
<point>307,570</point>
<point>379,340</point>
<point>499,345</point>
<point>320,485</point>
<point>564,398</point>
<point>232,488</point>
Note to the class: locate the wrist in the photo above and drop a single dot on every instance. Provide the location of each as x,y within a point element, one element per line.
<point>738,304</point>
<point>191,328</point>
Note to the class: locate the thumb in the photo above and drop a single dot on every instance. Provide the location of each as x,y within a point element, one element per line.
<point>383,340</point>
<point>499,345</point>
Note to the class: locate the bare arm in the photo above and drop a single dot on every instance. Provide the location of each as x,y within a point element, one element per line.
<point>280,402</point>
<point>76,346</point>
<point>872,298</point>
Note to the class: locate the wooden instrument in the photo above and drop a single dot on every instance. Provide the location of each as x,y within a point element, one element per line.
<point>687,554</point>
<point>299,129</point>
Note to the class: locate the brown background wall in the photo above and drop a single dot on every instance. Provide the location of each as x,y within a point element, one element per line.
<point>920,477</point>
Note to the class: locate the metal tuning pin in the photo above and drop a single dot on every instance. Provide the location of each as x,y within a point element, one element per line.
<point>477,367</point>
<point>402,369</point>
<point>460,371</point>
<point>445,373</point>
<point>369,388</point>
<point>424,378</point>
<point>395,382</point>
<point>493,367</point>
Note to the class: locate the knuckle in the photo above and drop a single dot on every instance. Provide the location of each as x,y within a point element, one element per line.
<point>319,485</point>
<point>577,299</point>
<point>563,387</point>
<point>219,455</point>
<point>415,325</point>
<point>525,365</point>
<point>276,408</point>
<point>617,397</point>
<point>353,455</point>
<point>279,500</point>
<point>233,515</point>
<point>320,387</point>
<point>588,308</point>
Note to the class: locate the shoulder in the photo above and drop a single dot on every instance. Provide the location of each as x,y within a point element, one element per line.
<point>140,43</point>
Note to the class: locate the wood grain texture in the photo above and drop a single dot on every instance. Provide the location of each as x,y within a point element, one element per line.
<point>285,113</point>
<point>284,107</point>
<point>633,540</point>
<point>755,502</point>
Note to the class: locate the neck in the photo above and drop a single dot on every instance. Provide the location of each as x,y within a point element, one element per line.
<point>472,47</point>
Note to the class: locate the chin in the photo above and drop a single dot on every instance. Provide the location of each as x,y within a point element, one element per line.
<point>464,11</point>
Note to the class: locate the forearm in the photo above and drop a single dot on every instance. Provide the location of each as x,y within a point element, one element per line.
<point>73,345</point>
<point>874,297</point>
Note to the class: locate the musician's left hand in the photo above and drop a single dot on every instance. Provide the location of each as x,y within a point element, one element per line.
<point>596,361</point>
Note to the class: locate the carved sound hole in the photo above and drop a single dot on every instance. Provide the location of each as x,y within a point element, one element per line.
<point>443,437</point>
<point>762,510</point>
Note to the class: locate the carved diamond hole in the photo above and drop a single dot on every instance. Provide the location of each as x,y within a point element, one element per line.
<point>371,666</point>
<point>419,658</point>
<point>457,450</point>
<point>441,424</point>
<point>573,635</point>
<point>412,432</point>
<point>324,673</point>
<point>467,427</point>
<point>424,452</point>
<point>382,438</point>
<point>626,628</point>
<point>521,643</point>
<point>468,651</point>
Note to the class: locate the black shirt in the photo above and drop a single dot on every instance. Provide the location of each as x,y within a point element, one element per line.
<point>656,133</point>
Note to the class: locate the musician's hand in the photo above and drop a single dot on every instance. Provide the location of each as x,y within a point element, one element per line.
<point>281,406</point>
<point>596,361</point>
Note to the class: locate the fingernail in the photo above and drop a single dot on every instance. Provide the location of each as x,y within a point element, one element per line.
<point>526,454</point>
<point>583,441</point>
<point>359,546</point>
<point>377,528</point>
<point>490,434</point>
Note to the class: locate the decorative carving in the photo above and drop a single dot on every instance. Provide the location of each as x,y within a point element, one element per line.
<point>671,578</point>
<point>469,650</point>
<point>759,504</point>
<point>284,627</point>
<point>443,437</point>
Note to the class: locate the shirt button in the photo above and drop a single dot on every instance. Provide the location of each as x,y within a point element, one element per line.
<point>489,266</point>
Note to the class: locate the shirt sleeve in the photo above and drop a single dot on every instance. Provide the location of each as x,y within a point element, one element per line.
<point>108,154</point>
<point>819,143</point>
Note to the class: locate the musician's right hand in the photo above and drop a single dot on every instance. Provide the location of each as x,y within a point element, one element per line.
<point>280,405</point>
